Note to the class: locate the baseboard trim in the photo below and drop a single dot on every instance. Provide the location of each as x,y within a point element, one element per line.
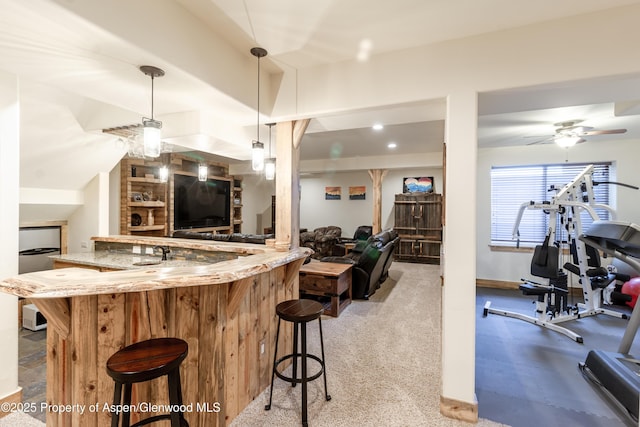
<point>463,411</point>
<point>13,399</point>
<point>498,284</point>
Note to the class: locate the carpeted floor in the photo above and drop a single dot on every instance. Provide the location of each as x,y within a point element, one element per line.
<point>19,419</point>
<point>383,362</point>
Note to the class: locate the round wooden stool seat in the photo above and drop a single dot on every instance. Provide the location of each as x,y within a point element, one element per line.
<point>145,361</point>
<point>299,310</point>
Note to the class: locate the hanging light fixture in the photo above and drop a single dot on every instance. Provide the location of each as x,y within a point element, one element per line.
<point>257,148</point>
<point>270,163</point>
<point>152,134</point>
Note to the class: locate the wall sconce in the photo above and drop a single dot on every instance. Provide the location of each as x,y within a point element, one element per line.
<point>163,173</point>
<point>203,172</point>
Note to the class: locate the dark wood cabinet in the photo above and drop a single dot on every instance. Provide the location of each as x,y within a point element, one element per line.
<point>418,222</point>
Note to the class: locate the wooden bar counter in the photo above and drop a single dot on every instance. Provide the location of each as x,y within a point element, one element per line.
<point>225,312</point>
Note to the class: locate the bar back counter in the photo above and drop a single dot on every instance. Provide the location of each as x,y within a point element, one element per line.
<point>225,311</point>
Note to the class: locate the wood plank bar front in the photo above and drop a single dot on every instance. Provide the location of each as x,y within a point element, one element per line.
<point>230,347</point>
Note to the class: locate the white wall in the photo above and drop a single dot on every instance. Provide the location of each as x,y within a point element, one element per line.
<point>256,198</point>
<point>114,200</point>
<point>509,266</point>
<point>316,212</point>
<point>9,196</point>
<point>92,218</point>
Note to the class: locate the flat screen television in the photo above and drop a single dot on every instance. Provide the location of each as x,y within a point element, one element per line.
<point>201,204</point>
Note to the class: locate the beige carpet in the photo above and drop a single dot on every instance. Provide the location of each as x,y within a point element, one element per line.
<point>383,362</point>
<point>19,419</point>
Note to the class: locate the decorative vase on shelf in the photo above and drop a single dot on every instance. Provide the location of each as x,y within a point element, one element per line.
<point>150,219</point>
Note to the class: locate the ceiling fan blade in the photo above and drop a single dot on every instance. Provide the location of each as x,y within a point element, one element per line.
<point>538,136</point>
<point>602,132</point>
<point>541,141</point>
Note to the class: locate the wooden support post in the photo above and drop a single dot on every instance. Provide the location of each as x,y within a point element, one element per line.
<point>377,175</point>
<point>288,137</point>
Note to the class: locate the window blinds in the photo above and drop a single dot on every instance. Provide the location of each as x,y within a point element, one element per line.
<point>513,185</point>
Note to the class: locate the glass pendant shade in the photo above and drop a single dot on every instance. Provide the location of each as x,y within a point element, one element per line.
<point>270,169</point>
<point>152,138</point>
<point>203,171</point>
<point>152,135</point>
<point>163,174</point>
<point>257,156</point>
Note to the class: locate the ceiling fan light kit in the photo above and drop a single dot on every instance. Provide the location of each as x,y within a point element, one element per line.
<point>568,140</point>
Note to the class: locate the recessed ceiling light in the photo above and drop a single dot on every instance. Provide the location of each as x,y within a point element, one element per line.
<point>392,145</point>
<point>378,126</point>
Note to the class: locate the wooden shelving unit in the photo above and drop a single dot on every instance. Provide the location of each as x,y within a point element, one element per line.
<point>143,198</point>
<point>147,203</point>
<point>418,222</point>
<point>236,206</point>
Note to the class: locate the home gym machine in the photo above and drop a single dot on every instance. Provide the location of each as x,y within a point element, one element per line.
<point>617,374</point>
<point>564,210</point>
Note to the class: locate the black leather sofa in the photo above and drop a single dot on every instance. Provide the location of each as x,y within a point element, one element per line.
<point>371,260</point>
<point>233,237</point>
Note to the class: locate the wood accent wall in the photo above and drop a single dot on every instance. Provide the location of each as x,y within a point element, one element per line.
<point>224,326</point>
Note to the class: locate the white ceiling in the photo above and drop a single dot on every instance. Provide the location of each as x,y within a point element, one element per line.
<point>79,76</point>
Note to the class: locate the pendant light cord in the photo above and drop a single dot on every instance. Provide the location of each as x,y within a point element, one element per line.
<point>258,118</point>
<point>151,96</point>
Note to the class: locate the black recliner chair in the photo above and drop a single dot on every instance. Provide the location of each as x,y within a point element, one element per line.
<point>371,260</point>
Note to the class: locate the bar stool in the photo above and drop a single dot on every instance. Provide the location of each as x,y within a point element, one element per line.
<point>145,361</point>
<point>300,312</point>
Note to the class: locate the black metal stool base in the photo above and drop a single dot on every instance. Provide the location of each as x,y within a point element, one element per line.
<point>299,312</point>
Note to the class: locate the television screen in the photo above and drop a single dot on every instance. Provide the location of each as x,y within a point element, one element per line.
<point>201,204</point>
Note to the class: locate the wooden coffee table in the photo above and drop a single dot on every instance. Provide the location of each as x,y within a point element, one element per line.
<point>327,279</point>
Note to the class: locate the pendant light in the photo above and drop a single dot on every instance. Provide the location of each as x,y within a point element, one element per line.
<point>257,148</point>
<point>152,134</point>
<point>270,163</point>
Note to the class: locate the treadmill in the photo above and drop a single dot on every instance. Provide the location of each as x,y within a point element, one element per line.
<point>617,373</point>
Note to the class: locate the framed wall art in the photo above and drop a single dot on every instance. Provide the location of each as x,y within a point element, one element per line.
<point>420,184</point>
<point>358,192</point>
<point>332,193</point>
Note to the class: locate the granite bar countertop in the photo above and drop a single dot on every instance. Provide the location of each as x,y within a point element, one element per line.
<point>70,282</point>
<point>123,261</point>
<point>194,244</point>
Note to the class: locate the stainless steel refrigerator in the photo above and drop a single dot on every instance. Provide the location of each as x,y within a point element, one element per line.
<point>36,244</point>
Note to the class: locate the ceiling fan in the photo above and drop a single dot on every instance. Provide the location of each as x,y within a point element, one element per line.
<point>569,133</point>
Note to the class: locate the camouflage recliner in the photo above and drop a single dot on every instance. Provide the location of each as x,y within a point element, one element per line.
<point>322,240</point>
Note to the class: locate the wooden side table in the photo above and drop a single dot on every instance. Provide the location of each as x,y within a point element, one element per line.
<point>328,279</point>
